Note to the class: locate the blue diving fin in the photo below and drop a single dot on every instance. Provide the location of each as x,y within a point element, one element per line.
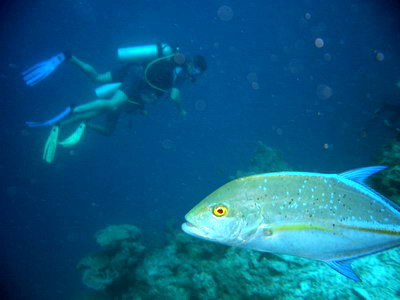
<point>65,113</point>
<point>344,268</point>
<point>41,70</point>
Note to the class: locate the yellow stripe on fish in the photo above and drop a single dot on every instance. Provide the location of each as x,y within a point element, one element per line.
<point>373,230</point>
<point>302,227</point>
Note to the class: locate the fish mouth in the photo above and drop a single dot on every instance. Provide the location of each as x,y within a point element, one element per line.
<point>191,229</point>
<point>195,230</point>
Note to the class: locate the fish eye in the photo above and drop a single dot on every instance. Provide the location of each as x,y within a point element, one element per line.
<point>220,210</point>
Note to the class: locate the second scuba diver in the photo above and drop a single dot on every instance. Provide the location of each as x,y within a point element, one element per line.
<point>133,85</point>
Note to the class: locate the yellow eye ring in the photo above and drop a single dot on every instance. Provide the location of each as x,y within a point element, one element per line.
<point>220,210</point>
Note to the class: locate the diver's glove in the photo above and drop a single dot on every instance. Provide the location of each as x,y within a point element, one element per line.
<point>53,121</point>
<point>41,70</point>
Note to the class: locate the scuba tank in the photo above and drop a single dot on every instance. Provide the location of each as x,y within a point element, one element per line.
<point>145,52</point>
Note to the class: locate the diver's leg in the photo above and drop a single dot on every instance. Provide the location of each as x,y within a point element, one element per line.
<point>90,71</point>
<point>96,105</point>
<point>109,128</point>
<point>80,117</point>
<point>117,100</point>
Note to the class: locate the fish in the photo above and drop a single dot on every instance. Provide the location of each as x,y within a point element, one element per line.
<point>332,218</point>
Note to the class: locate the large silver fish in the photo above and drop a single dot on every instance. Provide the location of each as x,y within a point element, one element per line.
<point>334,218</point>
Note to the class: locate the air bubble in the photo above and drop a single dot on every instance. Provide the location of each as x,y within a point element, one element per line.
<point>380,56</point>
<point>319,43</point>
<point>324,92</point>
<point>225,13</point>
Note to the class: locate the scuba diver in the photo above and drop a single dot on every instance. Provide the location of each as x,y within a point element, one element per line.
<point>151,72</point>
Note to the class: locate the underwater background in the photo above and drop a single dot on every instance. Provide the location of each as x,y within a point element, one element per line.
<point>289,85</point>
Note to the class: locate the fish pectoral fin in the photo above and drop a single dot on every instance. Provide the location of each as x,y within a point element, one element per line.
<point>344,268</point>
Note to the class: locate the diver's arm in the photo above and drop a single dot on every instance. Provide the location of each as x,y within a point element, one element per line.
<point>177,99</point>
<point>90,71</point>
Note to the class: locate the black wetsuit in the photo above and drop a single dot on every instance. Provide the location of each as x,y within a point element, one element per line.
<point>163,74</point>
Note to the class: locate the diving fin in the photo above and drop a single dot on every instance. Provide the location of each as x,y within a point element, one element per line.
<point>75,137</point>
<point>51,145</point>
<point>65,113</point>
<point>41,70</point>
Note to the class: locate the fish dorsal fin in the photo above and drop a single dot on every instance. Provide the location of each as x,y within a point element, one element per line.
<point>361,174</point>
<point>344,268</point>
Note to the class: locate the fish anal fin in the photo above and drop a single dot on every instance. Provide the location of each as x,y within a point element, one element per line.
<point>344,268</point>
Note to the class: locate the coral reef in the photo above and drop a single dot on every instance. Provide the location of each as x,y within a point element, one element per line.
<point>265,159</point>
<point>121,250</point>
<point>191,269</point>
<point>188,268</point>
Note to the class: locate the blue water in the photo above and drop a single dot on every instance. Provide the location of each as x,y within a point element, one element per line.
<point>266,81</point>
